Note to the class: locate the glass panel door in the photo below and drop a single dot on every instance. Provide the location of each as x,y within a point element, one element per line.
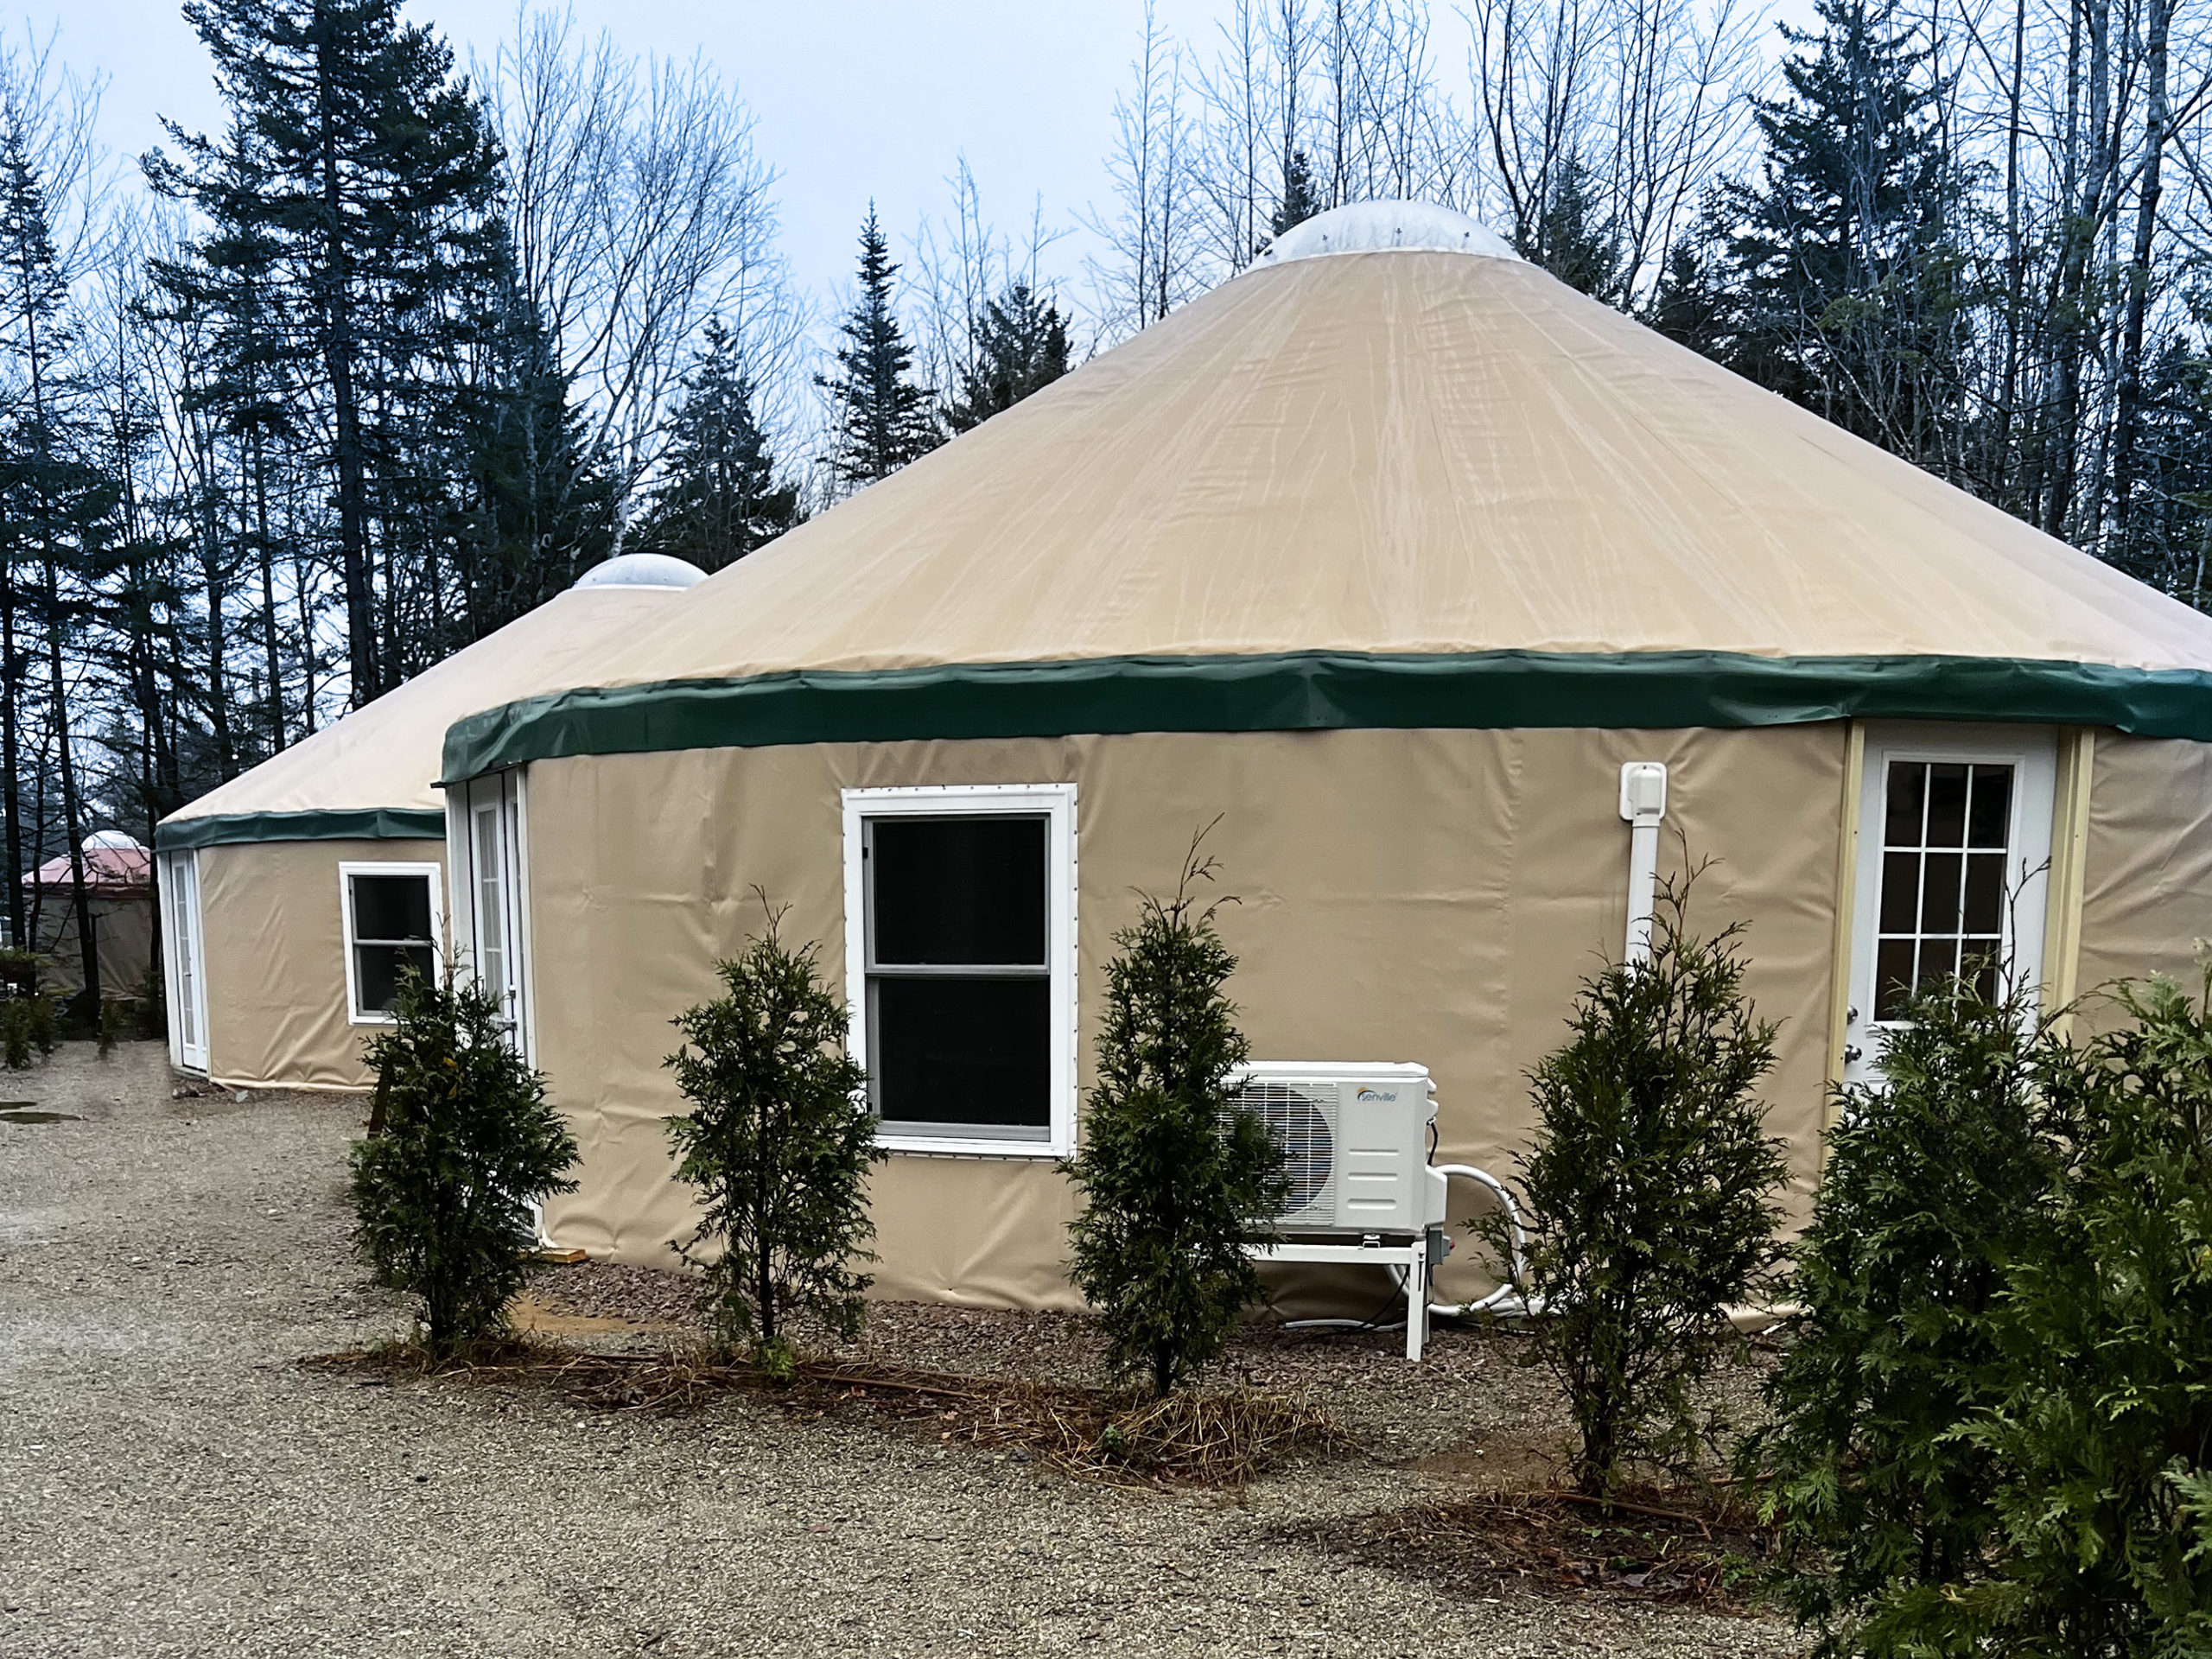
<point>1953,855</point>
<point>186,976</point>
<point>494,866</point>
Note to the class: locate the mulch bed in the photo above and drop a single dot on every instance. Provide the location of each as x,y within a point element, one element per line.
<point>1680,1547</point>
<point>1220,1440</point>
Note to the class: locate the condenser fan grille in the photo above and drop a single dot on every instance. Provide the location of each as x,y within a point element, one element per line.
<point>1300,1126</point>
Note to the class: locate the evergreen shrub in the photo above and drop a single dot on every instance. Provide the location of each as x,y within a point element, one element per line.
<point>1648,1196</point>
<point>28,1029</point>
<point>2101,1433</point>
<point>778,1141</point>
<point>1938,1180</point>
<point>464,1145</point>
<point>1177,1181</point>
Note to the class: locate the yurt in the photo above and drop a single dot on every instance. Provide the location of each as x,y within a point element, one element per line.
<point>292,895</point>
<point>1456,603</point>
<point>118,874</point>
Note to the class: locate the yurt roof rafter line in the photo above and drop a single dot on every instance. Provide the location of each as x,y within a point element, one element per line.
<point>1321,691</point>
<point>354,823</point>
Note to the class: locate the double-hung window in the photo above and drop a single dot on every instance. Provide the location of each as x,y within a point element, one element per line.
<point>960,926</point>
<point>390,913</point>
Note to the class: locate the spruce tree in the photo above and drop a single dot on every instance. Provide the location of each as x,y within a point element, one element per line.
<point>1572,238</point>
<point>373,170</point>
<point>1301,199</point>
<point>721,497</point>
<point>540,508</point>
<point>882,417</point>
<point>1021,345</point>
<point>1849,278</point>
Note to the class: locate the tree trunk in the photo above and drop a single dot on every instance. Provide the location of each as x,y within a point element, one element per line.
<point>337,327</point>
<point>2127,416</point>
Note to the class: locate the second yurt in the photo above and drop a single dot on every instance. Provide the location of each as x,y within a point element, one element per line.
<point>1456,603</point>
<point>292,895</point>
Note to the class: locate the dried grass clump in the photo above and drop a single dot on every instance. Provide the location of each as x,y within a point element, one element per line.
<point>1212,1440</point>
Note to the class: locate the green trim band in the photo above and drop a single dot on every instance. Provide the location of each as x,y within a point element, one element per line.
<point>356,824</point>
<point>1321,691</point>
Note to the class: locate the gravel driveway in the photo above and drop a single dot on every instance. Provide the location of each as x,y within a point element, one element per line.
<point>173,1482</point>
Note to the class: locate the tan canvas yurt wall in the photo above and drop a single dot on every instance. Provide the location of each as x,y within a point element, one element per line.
<point>255,908</point>
<point>276,960</point>
<point>1421,895</point>
<point>1388,553</point>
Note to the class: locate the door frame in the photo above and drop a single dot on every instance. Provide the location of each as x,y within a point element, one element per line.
<point>180,875</point>
<point>2032,751</point>
<point>505,795</point>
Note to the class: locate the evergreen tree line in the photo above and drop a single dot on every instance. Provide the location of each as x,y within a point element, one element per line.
<point>385,361</point>
<point>399,349</point>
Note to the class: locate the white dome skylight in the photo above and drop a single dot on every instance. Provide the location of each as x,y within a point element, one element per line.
<point>1380,227</point>
<point>642,570</point>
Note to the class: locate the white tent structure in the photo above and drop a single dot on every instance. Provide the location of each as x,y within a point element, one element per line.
<point>291,895</point>
<point>1389,554</point>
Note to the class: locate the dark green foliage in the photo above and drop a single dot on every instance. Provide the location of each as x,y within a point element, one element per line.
<point>27,1028</point>
<point>2102,1435</point>
<point>882,417</point>
<point>721,498</point>
<point>1021,345</point>
<point>1936,1182</point>
<point>1301,199</point>
<point>362,174</point>
<point>1846,266</point>
<point>1650,1194</point>
<point>1177,1182</point>
<point>1572,238</point>
<point>779,1141</point>
<point>464,1143</point>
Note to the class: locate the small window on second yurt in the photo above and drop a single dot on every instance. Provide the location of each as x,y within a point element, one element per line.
<point>965,987</point>
<point>392,923</point>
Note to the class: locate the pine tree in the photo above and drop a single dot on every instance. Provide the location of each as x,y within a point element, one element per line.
<point>372,169</point>
<point>1021,345</point>
<point>721,498</point>
<point>882,417</point>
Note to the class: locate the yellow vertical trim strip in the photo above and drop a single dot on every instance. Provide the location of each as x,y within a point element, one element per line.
<point>2069,848</point>
<point>1846,887</point>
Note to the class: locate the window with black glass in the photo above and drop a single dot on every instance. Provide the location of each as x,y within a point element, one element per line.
<point>392,928</point>
<point>1946,837</point>
<point>959,984</point>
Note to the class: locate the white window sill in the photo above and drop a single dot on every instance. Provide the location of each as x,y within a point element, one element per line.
<point>943,1146</point>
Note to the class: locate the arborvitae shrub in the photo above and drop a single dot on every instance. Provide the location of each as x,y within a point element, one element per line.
<point>465,1145</point>
<point>779,1141</point>
<point>1937,1181</point>
<point>2098,1430</point>
<point>1649,1194</point>
<point>1178,1182</point>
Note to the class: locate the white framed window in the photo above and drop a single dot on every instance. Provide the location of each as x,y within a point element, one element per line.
<point>391,922</point>
<point>1954,830</point>
<point>183,962</point>
<point>960,964</point>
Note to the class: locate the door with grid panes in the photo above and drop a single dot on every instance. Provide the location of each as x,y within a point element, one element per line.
<point>1953,864</point>
<point>490,866</point>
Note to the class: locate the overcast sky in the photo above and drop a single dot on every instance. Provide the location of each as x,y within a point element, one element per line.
<point>855,97</point>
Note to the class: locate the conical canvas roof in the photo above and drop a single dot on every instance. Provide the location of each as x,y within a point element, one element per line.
<point>374,773</point>
<point>1392,487</point>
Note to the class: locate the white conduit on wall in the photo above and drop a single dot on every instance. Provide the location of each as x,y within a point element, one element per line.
<point>1643,803</point>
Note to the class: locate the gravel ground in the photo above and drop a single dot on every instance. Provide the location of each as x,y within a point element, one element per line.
<point>172,1480</point>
